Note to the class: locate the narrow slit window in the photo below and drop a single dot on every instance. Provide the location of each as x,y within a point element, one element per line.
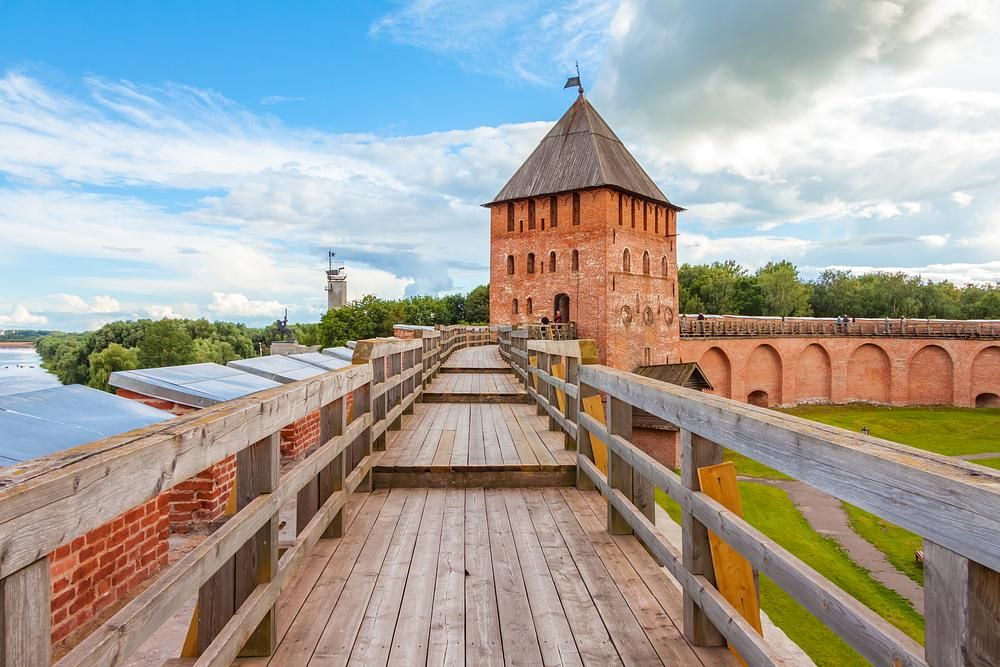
<point>531,214</point>
<point>645,263</point>
<point>664,266</point>
<point>552,262</point>
<point>531,262</point>
<point>510,265</point>
<point>575,262</point>
<point>554,211</point>
<point>513,307</point>
<point>530,308</point>
<point>510,216</point>
<point>576,208</point>
<point>626,261</point>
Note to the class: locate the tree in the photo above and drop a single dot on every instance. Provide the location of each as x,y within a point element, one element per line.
<point>782,293</point>
<point>112,358</point>
<point>477,305</point>
<point>166,343</point>
<point>212,350</point>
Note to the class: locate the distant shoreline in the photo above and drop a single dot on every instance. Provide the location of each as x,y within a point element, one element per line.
<point>17,343</point>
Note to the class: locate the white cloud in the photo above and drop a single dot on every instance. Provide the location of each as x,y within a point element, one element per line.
<point>238,304</point>
<point>162,313</point>
<point>935,240</point>
<point>963,199</point>
<point>20,316</point>
<point>71,303</point>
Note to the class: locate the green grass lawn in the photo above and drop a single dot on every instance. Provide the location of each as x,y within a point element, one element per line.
<point>944,430</point>
<point>750,468</point>
<point>771,511</point>
<point>989,463</point>
<point>898,544</point>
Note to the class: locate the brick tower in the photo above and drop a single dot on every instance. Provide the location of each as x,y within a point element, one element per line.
<point>580,227</point>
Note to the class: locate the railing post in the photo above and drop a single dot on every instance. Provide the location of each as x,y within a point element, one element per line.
<point>257,469</point>
<point>962,605</point>
<point>395,368</point>
<point>572,378</point>
<point>362,399</point>
<point>584,443</point>
<point>540,387</point>
<point>332,422</point>
<point>697,452</point>
<point>619,422</point>
<point>25,602</point>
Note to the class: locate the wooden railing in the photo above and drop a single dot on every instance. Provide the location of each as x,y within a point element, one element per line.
<point>733,326</point>
<point>954,506</point>
<point>236,572</point>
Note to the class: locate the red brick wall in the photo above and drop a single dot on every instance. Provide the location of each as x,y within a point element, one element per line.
<point>599,290</point>
<point>98,569</point>
<point>203,498</point>
<point>299,436</point>
<point>157,403</point>
<point>664,446</point>
<point>897,371</point>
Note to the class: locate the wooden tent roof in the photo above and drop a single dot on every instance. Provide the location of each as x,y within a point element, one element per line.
<point>687,375</point>
<point>580,152</point>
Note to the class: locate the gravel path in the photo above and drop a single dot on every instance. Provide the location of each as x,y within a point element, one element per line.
<point>827,517</point>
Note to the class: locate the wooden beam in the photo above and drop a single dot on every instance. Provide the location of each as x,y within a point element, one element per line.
<point>948,501</point>
<point>25,616</point>
<point>962,610</point>
<point>54,500</point>
<point>696,548</point>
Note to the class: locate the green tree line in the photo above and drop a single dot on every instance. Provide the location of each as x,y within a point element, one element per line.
<point>90,358</point>
<point>777,289</point>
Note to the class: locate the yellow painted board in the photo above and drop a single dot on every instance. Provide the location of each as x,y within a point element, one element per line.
<point>593,406</point>
<point>533,362</point>
<point>559,371</point>
<point>733,573</point>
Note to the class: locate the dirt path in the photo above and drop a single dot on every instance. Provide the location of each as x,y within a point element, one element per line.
<point>827,517</point>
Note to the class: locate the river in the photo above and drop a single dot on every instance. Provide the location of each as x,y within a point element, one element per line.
<point>21,370</point>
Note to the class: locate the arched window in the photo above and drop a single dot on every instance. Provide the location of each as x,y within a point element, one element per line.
<point>575,263</point>
<point>513,307</point>
<point>645,263</point>
<point>552,262</point>
<point>663,266</point>
<point>531,262</point>
<point>529,305</point>
<point>626,261</point>
<point>510,265</point>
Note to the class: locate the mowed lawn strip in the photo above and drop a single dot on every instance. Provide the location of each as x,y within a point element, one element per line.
<point>940,429</point>
<point>770,510</point>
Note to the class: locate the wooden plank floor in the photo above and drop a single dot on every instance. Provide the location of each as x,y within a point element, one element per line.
<point>461,434</point>
<point>481,577</point>
<point>486,357</point>
<point>476,383</point>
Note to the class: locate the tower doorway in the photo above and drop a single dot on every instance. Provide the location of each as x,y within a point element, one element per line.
<point>561,304</point>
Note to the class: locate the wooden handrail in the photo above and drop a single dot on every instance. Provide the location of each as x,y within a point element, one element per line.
<point>953,505</point>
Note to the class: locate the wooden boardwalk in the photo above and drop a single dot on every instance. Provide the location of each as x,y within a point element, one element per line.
<point>481,577</point>
<point>482,359</point>
<point>509,564</point>
<point>475,388</point>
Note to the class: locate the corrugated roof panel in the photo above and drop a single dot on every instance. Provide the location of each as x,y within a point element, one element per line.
<point>196,385</point>
<point>324,361</point>
<point>38,423</point>
<point>345,353</point>
<point>278,368</point>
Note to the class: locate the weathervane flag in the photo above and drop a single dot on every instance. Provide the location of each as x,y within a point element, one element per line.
<point>575,80</point>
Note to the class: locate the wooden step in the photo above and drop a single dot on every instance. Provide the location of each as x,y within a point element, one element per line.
<point>473,476</point>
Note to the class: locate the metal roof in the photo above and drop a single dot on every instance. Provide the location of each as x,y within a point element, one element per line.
<point>196,385</point>
<point>579,152</point>
<point>277,367</point>
<point>345,353</point>
<point>37,423</point>
<point>324,361</point>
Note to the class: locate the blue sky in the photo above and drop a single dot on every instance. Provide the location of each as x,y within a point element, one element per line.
<point>168,159</point>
